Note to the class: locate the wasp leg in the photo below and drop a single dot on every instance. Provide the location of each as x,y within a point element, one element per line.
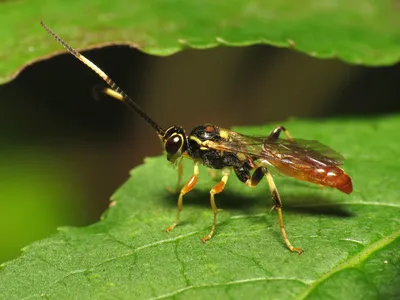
<point>256,177</point>
<point>178,183</point>
<point>218,188</point>
<point>190,184</point>
<point>278,206</point>
<point>274,135</point>
<point>180,172</point>
<point>213,173</point>
<point>243,173</point>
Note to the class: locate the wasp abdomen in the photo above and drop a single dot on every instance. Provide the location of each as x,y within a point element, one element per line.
<point>332,176</point>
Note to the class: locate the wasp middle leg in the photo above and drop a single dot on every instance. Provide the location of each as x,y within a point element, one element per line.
<point>214,174</point>
<point>190,184</point>
<point>243,174</point>
<point>218,188</point>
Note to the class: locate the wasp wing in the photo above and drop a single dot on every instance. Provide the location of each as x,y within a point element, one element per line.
<point>295,153</point>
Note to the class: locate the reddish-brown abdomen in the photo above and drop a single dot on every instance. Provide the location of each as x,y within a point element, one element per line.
<point>346,185</point>
<point>331,176</point>
<point>334,177</point>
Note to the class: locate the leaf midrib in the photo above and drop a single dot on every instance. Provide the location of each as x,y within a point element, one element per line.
<point>352,261</point>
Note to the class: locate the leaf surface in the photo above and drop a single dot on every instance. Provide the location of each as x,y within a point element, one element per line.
<point>351,242</point>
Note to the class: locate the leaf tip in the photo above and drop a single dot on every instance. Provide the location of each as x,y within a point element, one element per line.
<point>62,229</point>
<point>183,41</point>
<point>24,249</point>
<point>221,41</point>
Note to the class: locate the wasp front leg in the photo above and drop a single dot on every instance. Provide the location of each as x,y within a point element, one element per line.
<point>178,183</point>
<point>218,188</point>
<point>190,184</point>
<point>243,174</point>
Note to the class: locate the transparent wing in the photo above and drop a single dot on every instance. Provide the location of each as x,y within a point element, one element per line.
<point>297,153</point>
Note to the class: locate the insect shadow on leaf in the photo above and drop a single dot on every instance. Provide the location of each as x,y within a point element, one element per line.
<point>317,205</point>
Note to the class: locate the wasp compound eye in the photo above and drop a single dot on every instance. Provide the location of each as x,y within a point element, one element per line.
<point>173,144</point>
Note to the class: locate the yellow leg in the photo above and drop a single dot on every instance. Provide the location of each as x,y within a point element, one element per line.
<point>278,205</point>
<point>178,183</point>
<point>218,188</point>
<point>186,188</point>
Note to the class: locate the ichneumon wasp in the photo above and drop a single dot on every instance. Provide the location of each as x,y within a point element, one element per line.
<point>226,150</point>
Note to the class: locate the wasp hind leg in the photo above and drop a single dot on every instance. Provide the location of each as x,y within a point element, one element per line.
<point>274,135</point>
<point>190,184</point>
<point>278,206</point>
<point>244,175</point>
<point>218,188</point>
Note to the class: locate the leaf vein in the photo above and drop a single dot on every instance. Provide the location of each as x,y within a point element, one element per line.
<point>352,261</point>
<point>182,264</point>
<point>235,282</point>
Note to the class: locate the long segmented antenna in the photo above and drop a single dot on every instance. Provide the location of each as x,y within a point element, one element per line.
<point>125,98</point>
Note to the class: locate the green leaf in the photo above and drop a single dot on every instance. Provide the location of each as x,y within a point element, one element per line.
<point>362,32</point>
<point>351,242</point>
<point>21,208</point>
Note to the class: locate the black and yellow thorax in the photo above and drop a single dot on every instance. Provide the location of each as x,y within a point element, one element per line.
<point>203,144</point>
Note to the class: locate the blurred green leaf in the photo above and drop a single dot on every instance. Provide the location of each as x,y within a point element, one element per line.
<point>31,179</point>
<point>351,242</point>
<point>361,32</point>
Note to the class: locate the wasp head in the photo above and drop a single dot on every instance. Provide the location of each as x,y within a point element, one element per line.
<point>175,142</point>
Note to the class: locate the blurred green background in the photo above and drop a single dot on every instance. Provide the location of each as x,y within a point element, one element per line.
<point>64,153</point>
